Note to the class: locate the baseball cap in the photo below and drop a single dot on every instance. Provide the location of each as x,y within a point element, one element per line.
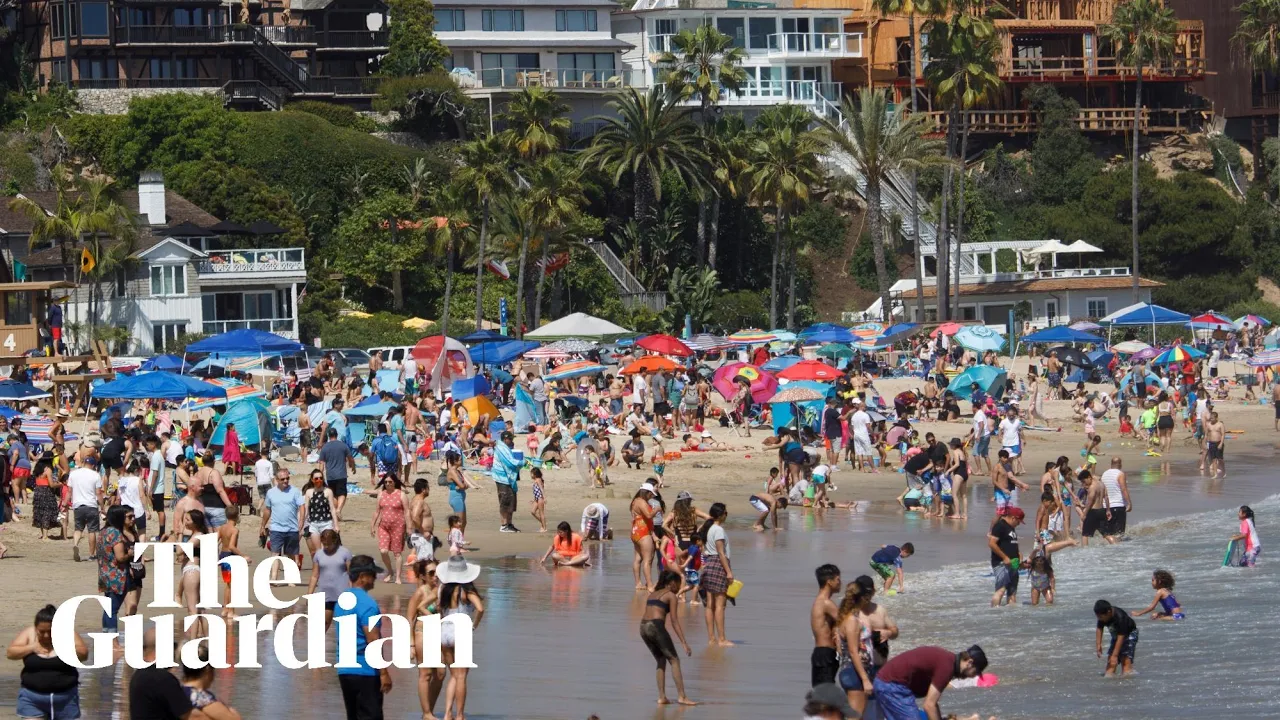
<point>647,486</point>
<point>1016,514</point>
<point>830,695</point>
<point>362,564</point>
<point>684,495</point>
<point>706,433</point>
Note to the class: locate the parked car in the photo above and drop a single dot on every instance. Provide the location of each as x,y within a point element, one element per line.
<point>392,356</point>
<point>350,358</point>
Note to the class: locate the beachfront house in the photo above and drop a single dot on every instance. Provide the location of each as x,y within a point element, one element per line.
<point>995,277</point>
<point>790,45</point>
<point>500,47</point>
<point>181,277</point>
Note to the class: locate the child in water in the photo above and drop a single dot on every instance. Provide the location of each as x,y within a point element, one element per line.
<point>1124,637</point>
<point>457,544</point>
<point>1126,426</point>
<point>1249,536</point>
<point>1040,577</point>
<point>1162,581</point>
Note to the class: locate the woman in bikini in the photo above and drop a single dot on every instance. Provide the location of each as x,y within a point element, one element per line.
<point>642,536</point>
<point>664,603</point>
<point>958,469</point>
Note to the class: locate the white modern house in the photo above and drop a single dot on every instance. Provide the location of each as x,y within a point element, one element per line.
<point>500,47</point>
<point>181,278</point>
<point>790,45</point>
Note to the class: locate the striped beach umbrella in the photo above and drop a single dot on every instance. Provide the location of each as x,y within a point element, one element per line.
<point>752,336</point>
<point>1266,358</point>
<point>1177,354</point>
<point>236,390</point>
<point>546,353</point>
<point>575,369</point>
<point>1212,321</point>
<point>706,342</point>
<point>1251,320</point>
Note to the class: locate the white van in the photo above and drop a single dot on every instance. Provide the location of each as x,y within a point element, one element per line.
<point>392,356</point>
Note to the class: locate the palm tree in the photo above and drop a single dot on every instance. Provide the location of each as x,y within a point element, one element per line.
<point>451,222</point>
<point>1143,33</point>
<point>784,165</point>
<point>646,135</point>
<point>705,65</point>
<point>962,70</point>
<point>909,8</point>
<point>486,171</point>
<point>536,123</point>
<point>880,142</point>
<point>514,226</point>
<point>1257,38</point>
<point>556,193</point>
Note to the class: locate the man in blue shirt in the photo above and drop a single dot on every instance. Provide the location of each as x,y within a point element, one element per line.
<point>335,420</point>
<point>362,686</point>
<point>506,476</point>
<point>282,510</point>
<point>887,562</point>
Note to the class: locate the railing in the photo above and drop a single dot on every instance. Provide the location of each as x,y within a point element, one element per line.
<point>183,34</point>
<point>816,44</point>
<point>279,60</point>
<point>1266,100</point>
<point>253,90</point>
<point>607,79</point>
<point>655,301</point>
<point>121,83</point>
<point>354,39</point>
<point>273,260</point>
<point>1062,67</point>
<point>324,85</point>
<point>618,269</point>
<point>279,326</point>
<point>802,91</point>
<point>661,43</point>
<point>1010,122</point>
<point>289,34</point>
<point>1051,274</point>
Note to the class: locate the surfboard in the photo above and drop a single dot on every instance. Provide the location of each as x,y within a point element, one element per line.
<point>1235,554</point>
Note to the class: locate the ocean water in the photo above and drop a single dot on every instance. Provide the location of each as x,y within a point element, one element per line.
<point>564,644</point>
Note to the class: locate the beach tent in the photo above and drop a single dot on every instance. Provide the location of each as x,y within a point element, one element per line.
<point>469,388</point>
<point>527,412</point>
<point>480,405</point>
<point>361,421</point>
<point>578,325</point>
<point>445,359</point>
<point>168,363</point>
<point>158,386</point>
<point>810,411</point>
<point>991,380</point>
<point>1061,334</point>
<point>14,390</point>
<point>500,353</point>
<point>252,418</point>
<point>246,342</point>
<point>1140,314</point>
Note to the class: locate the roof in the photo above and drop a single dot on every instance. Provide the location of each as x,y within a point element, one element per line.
<point>177,210</point>
<point>602,41</point>
<point>54,285</point>
<point>1040,286</point>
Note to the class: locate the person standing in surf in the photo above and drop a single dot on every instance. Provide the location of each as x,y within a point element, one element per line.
<point>1124,637</point>
<point>663,603</point>
<point>824,663</point>
<point>1249,536</point>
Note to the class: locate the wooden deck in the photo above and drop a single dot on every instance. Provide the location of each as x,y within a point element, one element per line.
<point>1090,120</point>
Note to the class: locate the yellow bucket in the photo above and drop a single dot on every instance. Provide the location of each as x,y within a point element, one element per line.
<point>735,587</point>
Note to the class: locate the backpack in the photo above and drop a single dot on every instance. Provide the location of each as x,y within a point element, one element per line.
<point>384,448</point>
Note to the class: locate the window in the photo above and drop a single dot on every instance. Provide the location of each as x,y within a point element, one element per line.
<point>575,20</point>
<point>826,26</point>
<point>140,16</point>
<point>760,32</point>
<point>121,285</point>
<point>451,20</point>
<point>168,280</point>
<point>577,66</point>
<point>60,71</point>
<point>96,68</point>
<point>735,29</point>
<point>500,69</point>
<point>1051,311</point>
<point>57,21</point>
<point>186,67</point>
<point>1096,307</point>
<point>93,19</point>
<point>502,20</point>
<point>17,308</point>
<point>164,336</point>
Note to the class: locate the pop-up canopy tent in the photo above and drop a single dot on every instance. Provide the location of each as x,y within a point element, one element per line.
<point>167,363</point>
<point>578,325</point>
<point>1145,314</point>
<point>246,342</point>
<point>500,353</point>
<point>158,386</point>
<point>1061,334</point>
<point>14,390</point>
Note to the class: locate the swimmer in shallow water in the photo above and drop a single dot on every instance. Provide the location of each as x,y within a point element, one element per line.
<point>1170,609</point>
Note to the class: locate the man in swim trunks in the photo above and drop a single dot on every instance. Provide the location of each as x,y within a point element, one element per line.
<point>767,504</point>
<point>1005,556</point>
<point>823,617</point>
<point>1003,482</point>
<point>1095,508</point>
<point>1215,438</point>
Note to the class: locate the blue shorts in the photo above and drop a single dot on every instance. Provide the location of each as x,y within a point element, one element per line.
<point>1006,578</point>
<point>983,447</point>
<point>1130,648</point>
<point>1014,450</point>
<point>457,501</point>
<point>284,543</point>
<point>896,702</point>
<point>215,517</point>
<point>55,706</point>
<point>849,680</point>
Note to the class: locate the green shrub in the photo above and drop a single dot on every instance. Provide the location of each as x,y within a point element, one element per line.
<point>382,329</point>
<point>1226,154</point>
<point>339,115</point>
<point>820,227</point>
<point>862,266</point>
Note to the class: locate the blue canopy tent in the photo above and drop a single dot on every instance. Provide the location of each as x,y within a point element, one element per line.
<point>1100,359</point>
<point>991,380</point>
<point>469,388</point>
<point>811,410</point>
<point>167,363</point>
<point>359,419</point>
<point>157,386</point>
<point>246,342</point>
<point>780,363</point>
<point>501,353</point>
<point>1140,314</point>
<point>820,327</point>
<point>14,390</point>
<point>1061,334</point>
<point>830,335</point>
<point>253,420</point>
<point>483,336</point>
<point>527,412</point>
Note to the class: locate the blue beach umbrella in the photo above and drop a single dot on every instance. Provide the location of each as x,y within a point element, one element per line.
<point>979,338</point>
<point>991,380</point>
<point>780,363</point>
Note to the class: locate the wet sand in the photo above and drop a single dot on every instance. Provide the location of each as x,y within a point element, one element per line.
<point>562,643</point>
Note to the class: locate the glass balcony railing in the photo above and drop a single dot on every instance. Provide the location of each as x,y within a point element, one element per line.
<point>279,326</point>
<point>273,260</point>
<point>568,78</point>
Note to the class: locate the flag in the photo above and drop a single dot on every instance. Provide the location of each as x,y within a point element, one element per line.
<point>87,263</point>
<point>302,294</point>
<point>19,271</point>
<point>554,263</point>
<point>499,268</point>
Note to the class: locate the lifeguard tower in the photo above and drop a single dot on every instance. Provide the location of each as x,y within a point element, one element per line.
<point>24,308</point>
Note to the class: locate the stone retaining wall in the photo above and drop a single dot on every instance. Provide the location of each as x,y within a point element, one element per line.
<point>115,101</point>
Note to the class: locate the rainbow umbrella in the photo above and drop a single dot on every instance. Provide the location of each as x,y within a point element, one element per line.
<point>1245,321</point>
<point>763,385</point>
<point>575,369</point>
<point>751,336</point>
<point>1266,358</point>
<point>236,390</point>
<point>1177,354</point>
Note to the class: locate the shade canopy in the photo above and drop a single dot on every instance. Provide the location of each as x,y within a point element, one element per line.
<point>800,402</point>
<point>500,353</point>
<point>752,336</point>
<point>1084,326</point>
<point>947,328</point>
<point>158,386</point>
<point>810,370</point>
<point>979,338</point>
<point>1251,320</point>
<point>469,387</point>
<point>1129,347</point>
<point>578,325</point>
<point>1081,246</point>
<point>1061,334</point>
<point>664,345</point>
<point>831,335</point>
<point>576,369</point>
<point>763,385</point>
<point>246,342</point>
<point>1050,247</point>
<point>782,362</point>
<point>483,336</point>
<point>226,227</point>
<point>990,379</point>
<point>163,362</point>
<point>14,390</point>
<point>265,227</point>
<point>1072,357</point>
<point>1145,314</point>
<point>650,363</point>
<point>706,342</point>
<point>1177,354</point>
<point>188,229</point>
<point>252,419</point>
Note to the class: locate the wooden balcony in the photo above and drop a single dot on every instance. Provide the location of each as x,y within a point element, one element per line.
<point>1090,120</point>
<point>1017,69</point>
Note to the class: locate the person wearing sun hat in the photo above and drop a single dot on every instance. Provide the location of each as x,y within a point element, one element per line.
<point>458,596</point>
<point>362,686</point>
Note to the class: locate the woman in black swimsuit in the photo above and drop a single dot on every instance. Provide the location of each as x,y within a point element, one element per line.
<point>959,469</point>
<point>664,603</point>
